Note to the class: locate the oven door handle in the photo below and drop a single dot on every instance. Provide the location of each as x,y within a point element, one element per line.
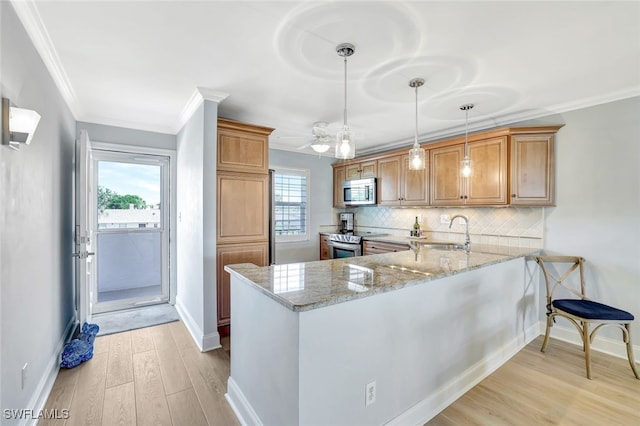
<point>343,246</point>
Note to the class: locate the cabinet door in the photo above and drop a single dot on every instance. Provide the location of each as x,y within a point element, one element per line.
<point>257,254</point>
<point>389,170</point>
<point>487,184</point>
<point>414,185</point>
<point>352,172</point>
<point>368,169</point>
<point>242,151</point>
<point>324,247</point>
<point>445,179</point>
<point>338,180</point>
<point>376,247</point>
<point>243,208</point>
<point>532,169</point>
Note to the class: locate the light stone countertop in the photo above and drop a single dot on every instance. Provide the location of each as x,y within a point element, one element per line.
<point>313,285</point>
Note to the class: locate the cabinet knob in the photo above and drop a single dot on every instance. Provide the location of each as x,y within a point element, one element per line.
<point>514,195</point>
<point>461,197</point>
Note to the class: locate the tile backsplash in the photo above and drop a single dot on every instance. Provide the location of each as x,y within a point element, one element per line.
<point>505,226</point>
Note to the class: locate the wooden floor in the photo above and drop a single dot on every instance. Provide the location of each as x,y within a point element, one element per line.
<point>535,388</point>
<point>150,376</point>
<point>158,376</point>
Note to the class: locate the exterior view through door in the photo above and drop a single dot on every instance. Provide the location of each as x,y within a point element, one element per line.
<point>131,210</point>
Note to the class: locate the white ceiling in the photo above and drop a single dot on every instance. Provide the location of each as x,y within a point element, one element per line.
<point>138,63</point>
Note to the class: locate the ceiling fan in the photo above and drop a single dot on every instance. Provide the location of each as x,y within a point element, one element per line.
<point>322,137</point>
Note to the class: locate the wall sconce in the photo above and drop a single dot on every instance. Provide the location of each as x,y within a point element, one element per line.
<point>18,125</point>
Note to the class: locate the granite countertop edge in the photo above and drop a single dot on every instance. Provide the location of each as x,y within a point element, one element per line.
<point>415,277</point>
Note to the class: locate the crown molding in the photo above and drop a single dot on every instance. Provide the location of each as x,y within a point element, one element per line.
<point>29,15</point>
<point>199,95</point>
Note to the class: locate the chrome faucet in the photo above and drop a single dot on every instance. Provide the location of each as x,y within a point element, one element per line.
<point>467,239</point>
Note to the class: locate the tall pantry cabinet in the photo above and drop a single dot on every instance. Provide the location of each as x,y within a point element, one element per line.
<point>242,224</point>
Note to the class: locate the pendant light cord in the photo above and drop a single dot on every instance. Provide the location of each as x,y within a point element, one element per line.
<point>466,132</point>
<point>415,143</point>
<point>345,91</point>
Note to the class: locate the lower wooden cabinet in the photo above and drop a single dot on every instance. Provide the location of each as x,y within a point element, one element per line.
<point>256,253</point>
<point>376,247</point>
<point>324,247</point>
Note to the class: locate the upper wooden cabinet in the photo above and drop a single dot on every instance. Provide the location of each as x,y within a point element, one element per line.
<point>243,147</point>
<point>512,165</point>
<point>487,184</point>
<point>338,180</point>
<point>363,170</point>
<point>532,169</point>
<point>243,205</point>
<point>446,181</point>
<point>389,171</point>
<point>399,186</point>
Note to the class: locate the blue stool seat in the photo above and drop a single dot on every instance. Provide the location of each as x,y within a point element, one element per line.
<point>592,310</point>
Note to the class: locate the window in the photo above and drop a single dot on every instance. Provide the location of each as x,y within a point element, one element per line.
<point>291,215</point>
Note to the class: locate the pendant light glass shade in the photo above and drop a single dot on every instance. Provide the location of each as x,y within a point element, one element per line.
<point>345,139</point>
<point>416,154</point>
<point>466,168</point>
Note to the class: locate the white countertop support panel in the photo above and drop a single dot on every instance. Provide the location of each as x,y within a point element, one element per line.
<point>424,345</point>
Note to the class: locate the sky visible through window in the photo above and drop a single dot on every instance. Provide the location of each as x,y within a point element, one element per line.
<point>131,179</point>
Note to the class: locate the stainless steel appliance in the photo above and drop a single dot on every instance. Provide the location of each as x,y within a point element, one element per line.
<point>344,245</point>
<point>360,192</point>
<point>346,222</point>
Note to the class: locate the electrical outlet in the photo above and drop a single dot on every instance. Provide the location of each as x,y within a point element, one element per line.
<point>461,221</point>
<point>370,393</point>
<point>24,375</point>
<point>445,219</point>
<point>420,219</point>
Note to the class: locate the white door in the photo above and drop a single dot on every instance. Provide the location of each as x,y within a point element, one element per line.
<point>83,228</point>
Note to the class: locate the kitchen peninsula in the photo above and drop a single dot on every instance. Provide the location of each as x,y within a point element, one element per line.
<point>420,327</point>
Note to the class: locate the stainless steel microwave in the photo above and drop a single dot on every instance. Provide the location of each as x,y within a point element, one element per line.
<point>359,192</point>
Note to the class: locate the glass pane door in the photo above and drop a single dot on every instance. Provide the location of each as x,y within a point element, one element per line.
<point>132,230</point>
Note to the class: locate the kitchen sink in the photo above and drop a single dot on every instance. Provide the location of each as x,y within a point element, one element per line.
<point>442,246</point>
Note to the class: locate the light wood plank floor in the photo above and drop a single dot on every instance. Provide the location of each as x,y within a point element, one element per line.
<point>150,376</point>
<point>535,388</point>
<point>158,376</point>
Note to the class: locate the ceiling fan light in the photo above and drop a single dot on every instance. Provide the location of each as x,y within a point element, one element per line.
<point>320,147</point>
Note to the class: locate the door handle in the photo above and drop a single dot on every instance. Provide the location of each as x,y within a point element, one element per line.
<point>82,254</point>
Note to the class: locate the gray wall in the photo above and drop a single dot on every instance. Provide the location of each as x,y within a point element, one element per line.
<point>125,136</point>
<point>597,213</point>
<point>320,203</point>
<point>36,188</point>
<point>196,237</point>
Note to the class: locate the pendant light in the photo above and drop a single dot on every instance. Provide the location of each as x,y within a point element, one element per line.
<point>465,164</point>
<point>345,140</point>
<point>416,154</point>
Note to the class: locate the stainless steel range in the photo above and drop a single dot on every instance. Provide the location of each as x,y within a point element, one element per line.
<point>344,245</point>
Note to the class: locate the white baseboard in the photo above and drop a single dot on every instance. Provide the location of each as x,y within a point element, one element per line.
<point>42,391</point>
<point>240,406</point>
<point>204,342</point>
<point>601,343</point>
<point>429,407</point>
